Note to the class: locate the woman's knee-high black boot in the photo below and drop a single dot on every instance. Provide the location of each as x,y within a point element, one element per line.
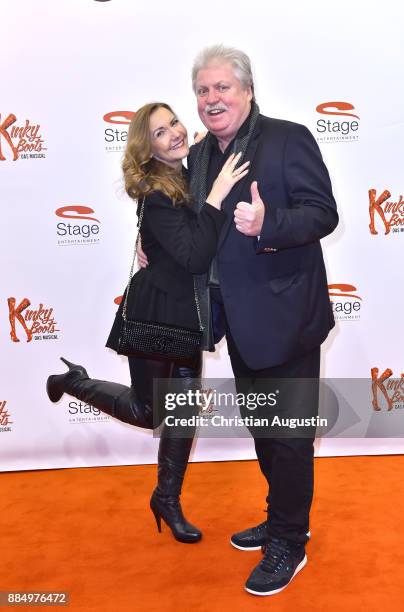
<point>165,501</point>
<point>173,458</point>
<point>115,399</point>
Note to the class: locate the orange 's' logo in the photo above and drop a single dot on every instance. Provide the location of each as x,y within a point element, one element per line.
<point>75,212</point>
<point>341,109</point>
<point>38,324</point>
<point>116,132</point>
<point>343,290</point>
<point>121,117</point>
<point>337,123</point>
<point>391,390</point>
<point>346,303</point>
<point>79,231</point>
<point>20,141</point>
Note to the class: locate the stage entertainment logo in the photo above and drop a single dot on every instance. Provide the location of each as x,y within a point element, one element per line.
<point>344,125</point>
<point>80,231</point>
<point>346,305</point>
<point>387,392</point>
<point>115,137</point>
<point>80,413</point>
<point>5,416</point>
<point>20,141</point>
<point>37,324</point>
<point>391,213</point>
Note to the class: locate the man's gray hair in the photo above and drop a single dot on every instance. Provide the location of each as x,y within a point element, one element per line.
<point>219,53</point>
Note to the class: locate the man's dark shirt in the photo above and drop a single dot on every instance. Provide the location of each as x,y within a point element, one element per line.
<point>216,161</point>
<point>217,158</point>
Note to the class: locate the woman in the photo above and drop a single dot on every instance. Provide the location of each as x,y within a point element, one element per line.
<point>178,243</point>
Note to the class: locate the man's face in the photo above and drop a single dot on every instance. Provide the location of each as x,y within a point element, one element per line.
<point>223,104</point>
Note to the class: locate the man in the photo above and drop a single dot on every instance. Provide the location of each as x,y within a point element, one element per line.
<point>267,288</point>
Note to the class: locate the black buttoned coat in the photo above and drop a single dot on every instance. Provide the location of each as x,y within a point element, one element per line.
<point>274,288</point>
<point>178,243</point>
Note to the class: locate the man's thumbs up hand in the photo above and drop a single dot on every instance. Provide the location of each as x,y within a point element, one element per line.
<point>255,196</point>
<point>250,217</point>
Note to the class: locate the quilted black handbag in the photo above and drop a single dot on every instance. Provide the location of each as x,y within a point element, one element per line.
<point>154,339</point>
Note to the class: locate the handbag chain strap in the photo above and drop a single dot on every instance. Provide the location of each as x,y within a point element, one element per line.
<point>125,304</point>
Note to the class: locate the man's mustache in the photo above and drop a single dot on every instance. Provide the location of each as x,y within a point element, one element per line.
<point>211,107</point>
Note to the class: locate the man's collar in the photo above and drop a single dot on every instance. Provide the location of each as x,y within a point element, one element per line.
<point>242,131</point>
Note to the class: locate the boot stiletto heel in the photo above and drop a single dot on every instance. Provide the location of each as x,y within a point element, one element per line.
<point>157,516</point>
<point>169,509</point>
<point>74,366</point>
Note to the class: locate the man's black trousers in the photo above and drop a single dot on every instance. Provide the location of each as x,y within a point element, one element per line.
<point>286,462</point>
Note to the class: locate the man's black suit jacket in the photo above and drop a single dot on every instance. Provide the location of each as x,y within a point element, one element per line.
<point>274,288</point>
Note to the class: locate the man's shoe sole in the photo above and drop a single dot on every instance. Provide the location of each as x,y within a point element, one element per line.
<point>297,570</point>
<point>244,547</point>
<point>255,547</point>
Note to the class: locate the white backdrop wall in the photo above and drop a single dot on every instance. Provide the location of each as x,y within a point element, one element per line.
<point>66,71</point>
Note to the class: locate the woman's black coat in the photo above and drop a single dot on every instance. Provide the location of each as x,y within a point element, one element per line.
<point>178,243</point>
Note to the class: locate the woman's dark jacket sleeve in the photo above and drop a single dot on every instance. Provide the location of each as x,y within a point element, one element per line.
<point>190,239</point>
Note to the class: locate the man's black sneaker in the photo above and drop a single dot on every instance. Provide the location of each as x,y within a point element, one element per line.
<point>253,538</point>
<point>250,539</point>
<point>280,564</point>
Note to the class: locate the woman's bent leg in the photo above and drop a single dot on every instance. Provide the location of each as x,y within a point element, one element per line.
<point>128,404</point>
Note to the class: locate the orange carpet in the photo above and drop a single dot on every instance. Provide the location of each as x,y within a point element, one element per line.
<point>90,532</point>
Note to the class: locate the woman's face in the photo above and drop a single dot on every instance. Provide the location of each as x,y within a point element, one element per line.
<point>168,137</point>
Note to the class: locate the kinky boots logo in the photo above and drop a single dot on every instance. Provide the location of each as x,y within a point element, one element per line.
<point>387,392</point>
<point>340,124</point>
<point>83,230</point>
<point>20,141</point>
<point>116,134</point>
<point>5,417</point>
<point>36,324</point>
<point>384,213</point>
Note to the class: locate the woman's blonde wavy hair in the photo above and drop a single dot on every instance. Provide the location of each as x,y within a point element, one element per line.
<point>142,173</point>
